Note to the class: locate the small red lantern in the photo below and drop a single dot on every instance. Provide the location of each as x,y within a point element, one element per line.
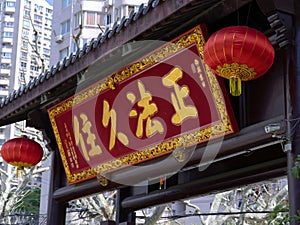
<point>21,152</point>
<point>238,53</point>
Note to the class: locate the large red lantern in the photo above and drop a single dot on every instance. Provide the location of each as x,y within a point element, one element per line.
<point>238,53</point>
<point>21,152</point>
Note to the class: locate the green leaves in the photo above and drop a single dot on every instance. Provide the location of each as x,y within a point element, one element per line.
<point>30,203</point>
<point>280,216</point>
<point>295,169</point>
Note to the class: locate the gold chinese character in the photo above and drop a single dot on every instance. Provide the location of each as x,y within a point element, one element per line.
<point>196,68</point>
<point>182,111</point>
<point>110,115</point>
<point>149,109</point>
<point>86,128</point>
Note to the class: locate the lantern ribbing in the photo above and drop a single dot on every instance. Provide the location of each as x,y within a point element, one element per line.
<point>238,53</point>
<point>21,152</point>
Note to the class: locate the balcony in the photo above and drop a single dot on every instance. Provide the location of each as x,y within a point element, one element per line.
<point>4,82</point>
<point>5,60</point>
<point>5,71</point>
<point>3,92</point>
<point>9,10</point>
<point>7,49</point>
<point>7,40</point>
<point>119,3</point>
<point>8,29</point>
<point>9,18</point>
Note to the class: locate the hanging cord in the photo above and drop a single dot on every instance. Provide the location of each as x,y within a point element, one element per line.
<point>238,12</point>
<point>248,14</point>
<point>20,171</point>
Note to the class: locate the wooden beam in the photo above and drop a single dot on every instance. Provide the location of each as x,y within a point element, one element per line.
<point>292,75</point>
<point>248,138</point>
<point>210,184</point>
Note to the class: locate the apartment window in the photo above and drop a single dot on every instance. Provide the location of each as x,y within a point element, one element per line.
<point>5,66</point>
<point>38,18</point>
<point>38,27</point>
<point>63,53</point>
<point>77,19</point>
<point>84,41</point>
<point>22,78</point>
<point>66,3</point>
<point>25,34</point>
<point>36,38</point>
<point>9,24</point>
<point>74,47</point>
<point>108,19</point>
<point>8,34</point>
<point>49,10</point>
<point>91,18</point>
<point>24,55</point>
<point>25,44</point>
<point>7,45</point>
<point>10,4</point>
<point>47,61</point>
<point>46,51</point>
<point>117,14</point>
<point>48,21</point>
<point>38,7</point>
<point>27,3</point>
<point>3,87</point>
<point>65,27</point>
<point>23,65</point>
<point>5,55</point>
<point>26,24</point>
<point>47,30</point>
<point>34,68</point>
<point>48,40</point>
<point>27,13</point>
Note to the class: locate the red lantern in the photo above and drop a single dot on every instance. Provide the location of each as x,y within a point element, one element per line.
<point>238,53</point>
<point>21,152</point>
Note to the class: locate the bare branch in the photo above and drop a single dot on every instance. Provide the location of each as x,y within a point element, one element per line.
<point>35,47</point>
<point>41,170</point>
<point>3,172</point>
<point>99,26</point>
<point>77,36</point>
<point>151,220</point>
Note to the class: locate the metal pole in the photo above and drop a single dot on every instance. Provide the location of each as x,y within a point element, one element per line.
<point>293,87</point>
<point>56,211</point>
<point>124,216</point>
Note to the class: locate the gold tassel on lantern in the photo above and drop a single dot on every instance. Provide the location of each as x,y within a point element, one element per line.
<point>235,85</point>
<point>21,152</point>
<point>20,172</point>
<point>238,53</point>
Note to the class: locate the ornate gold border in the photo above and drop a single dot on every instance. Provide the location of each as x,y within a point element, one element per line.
<point>212,131</point>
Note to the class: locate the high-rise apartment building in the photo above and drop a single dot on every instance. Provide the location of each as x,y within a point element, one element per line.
<point>25,40</point>
<point>77,22</point>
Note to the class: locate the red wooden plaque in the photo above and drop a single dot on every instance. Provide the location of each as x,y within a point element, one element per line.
<point>166,100</point>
